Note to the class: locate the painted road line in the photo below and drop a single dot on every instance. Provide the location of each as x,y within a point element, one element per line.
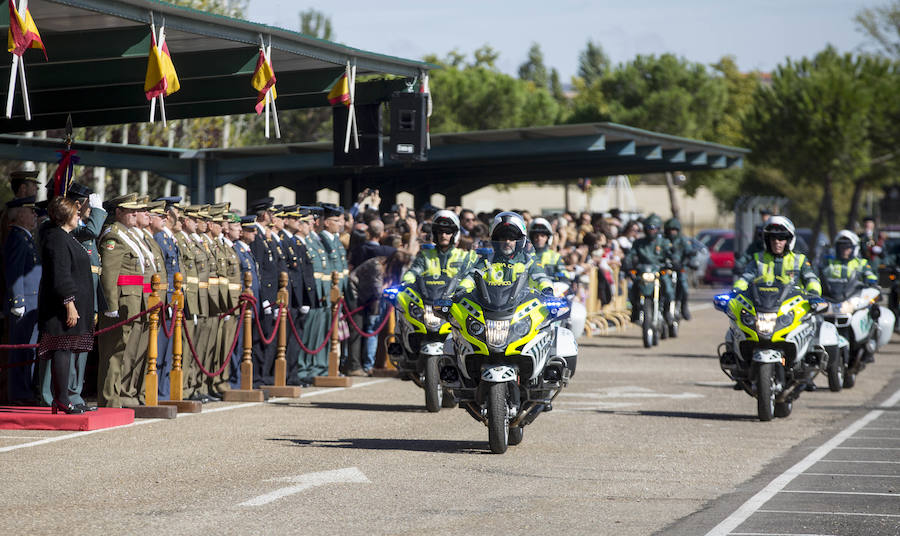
<point>756,502</point>
<point>894,495</point>
<point>308,481</point>
<point>851,475</point>
<point>853,461</point>
<point>799,512</point>
<point>180,415</point>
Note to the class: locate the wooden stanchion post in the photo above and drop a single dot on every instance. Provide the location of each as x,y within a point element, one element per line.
<point>280,388</point>
<point>334,379</point>
<point>246,393</point>
<point>151,408</point>
<point>176,376</point>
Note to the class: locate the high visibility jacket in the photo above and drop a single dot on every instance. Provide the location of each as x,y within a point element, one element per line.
<point>449,263</point>
<point>550,262</point>
<point>843,271</point>
<point>790,265</point>
<point>508,271</point>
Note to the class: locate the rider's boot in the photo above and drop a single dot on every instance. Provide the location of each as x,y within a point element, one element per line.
<point>685,314</point>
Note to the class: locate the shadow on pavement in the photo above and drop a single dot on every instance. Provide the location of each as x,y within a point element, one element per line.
<point>693,356</point>
<point>358,406</point>
<point>411,445</point>
<point>685,415</point>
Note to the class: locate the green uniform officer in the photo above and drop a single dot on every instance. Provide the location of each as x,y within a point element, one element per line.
<point>651,250</point>
<point>444,259</point>
<point>541,235</point>
<point>779,259</point>
<point>681,256</point>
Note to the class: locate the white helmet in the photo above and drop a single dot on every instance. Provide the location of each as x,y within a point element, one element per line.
<point>541,225</point>
<point>447,219</point>
<point>777,225</point>
<point>508,223</point>
<point>848,236</point>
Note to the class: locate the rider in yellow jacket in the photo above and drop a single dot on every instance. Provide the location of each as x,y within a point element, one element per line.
<point>779,259</point>
<point>444,258</point>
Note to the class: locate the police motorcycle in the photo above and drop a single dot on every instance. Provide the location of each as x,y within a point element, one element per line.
<point>654,306</point>
<point>777,342</point>
<point>508,357</point>
<point>853,308</point>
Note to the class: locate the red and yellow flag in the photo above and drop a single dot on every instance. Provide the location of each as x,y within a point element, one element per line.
<point>340,92</point>
<point>23,34</point>
<point>263,80</point>
<point>161,77</point>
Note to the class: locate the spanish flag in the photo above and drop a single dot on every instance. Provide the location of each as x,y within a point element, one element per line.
<point>340,92</point>
<point>161,77</point>
<point>263,80</point>
<point>23,34</point>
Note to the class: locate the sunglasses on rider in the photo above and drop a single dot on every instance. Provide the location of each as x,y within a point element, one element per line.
<point>444,230</point>
<point>651,228</point>
<point>781,236</point>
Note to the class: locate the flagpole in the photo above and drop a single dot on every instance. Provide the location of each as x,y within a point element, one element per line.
<point>153,100</point>
<point>24,89</point>
<point>351,110</point>
<point>13,72</point>
<point>270,95</point>
<point>160,42</point>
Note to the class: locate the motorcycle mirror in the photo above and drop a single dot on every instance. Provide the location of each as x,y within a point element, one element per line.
<point>720,302</point>
<point>390,294</point>
<point>485,252</point>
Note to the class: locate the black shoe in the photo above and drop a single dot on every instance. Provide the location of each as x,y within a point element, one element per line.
<point>810,387</point>
<point>868,358</point>
<point>685,314</point>
<point>737,386</point>
<point>66,408</point>
<point>85,407</point>
<point>547,407</point>
<point>214,397</point>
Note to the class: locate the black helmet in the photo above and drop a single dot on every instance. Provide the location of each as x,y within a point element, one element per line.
<point>673,223</point>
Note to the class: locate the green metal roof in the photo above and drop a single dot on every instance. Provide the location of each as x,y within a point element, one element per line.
<point>98,50</point>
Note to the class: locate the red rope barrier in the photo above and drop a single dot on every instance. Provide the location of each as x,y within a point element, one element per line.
<point>303,346</point>
<point>362,333</point>
<point>96,333</point>
<point>162,323</point>
<point>227,361</point>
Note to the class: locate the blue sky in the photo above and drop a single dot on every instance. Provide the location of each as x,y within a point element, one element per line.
<point>759,33</point>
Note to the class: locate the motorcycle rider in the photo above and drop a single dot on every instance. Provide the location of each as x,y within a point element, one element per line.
<point>652,249</point>
<point>513,257</point>
<point>681,254</point>
<point>846,266</point>
<point>444,258</point>
<point>541,235</point>
<point>779,258</point>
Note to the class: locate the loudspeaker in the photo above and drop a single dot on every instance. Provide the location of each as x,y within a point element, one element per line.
<point>409,126</point>
<point>368,122</point>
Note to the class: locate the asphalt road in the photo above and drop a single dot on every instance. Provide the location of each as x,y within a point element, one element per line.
<point>642,442</point>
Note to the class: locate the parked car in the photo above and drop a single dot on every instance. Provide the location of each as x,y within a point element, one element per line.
<point>721,257</point>
<point>701,258</point>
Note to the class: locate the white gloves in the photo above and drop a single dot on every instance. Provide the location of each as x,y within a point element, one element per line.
<point>111,314</point>
<point>95,201</point>
<point>226,318</point>
<point>18,311</point>
<point>304,309</point>
<point>195,320</point>
<point>266,308</point>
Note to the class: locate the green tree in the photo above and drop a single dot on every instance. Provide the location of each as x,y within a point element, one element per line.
<point>534,69</point>
<point>316,24</point>
<point>813,124</point>
<point>593,63</point>
<point>882,26</point>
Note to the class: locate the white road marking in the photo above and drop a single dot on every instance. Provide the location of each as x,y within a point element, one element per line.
<point>851,475</point>
<point>21,437</point>
<point>826,513</point>
<point>894,495</point>
<point>777,534</point>
<point>308,481</point>
<point>873,428</point>
<point>180,415</point>
<point>853,461</point>
<point>887,438</point>
<point>866,448</point>
<point>754,504</point>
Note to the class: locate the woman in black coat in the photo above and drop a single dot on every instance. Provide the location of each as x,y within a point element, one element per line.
<point>65,300</point>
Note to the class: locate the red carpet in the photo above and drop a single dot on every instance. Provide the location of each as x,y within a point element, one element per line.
<point>31,418</point>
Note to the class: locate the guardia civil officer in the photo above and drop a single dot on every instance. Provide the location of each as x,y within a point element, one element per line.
<point>268,256</point>
<point>161,223</point>
<point>681,254</point>
<point>318,319</point>
<point>192,260</point>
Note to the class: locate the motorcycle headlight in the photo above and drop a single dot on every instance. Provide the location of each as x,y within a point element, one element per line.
<point>851,305</point>
<point>520,329</point>
<point>415,311</point>
<point>474,327</point>
<point>747,319</point>
<point>784,320</point>
<point>431,320</point>
<point>765,323</point>
<point>497,333</point>
<point>648,276</point>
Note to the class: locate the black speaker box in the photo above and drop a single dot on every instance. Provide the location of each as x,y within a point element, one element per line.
<point>409,126</point>
<point>368,122</point>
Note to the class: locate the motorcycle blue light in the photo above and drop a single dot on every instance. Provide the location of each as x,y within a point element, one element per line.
<point>390,294</point>
<point>720,301</point>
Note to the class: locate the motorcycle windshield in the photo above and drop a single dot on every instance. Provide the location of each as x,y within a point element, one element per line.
<point>767,296</point>
<point>496,297</point>
<point>441,286</point>
<point>838,291</point>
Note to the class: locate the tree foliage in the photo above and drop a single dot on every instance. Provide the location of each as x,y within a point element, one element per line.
<point>593,63</point>
<point>882,26</point>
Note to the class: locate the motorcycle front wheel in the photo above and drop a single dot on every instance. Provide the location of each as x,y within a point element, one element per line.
<point>433,392</point>
<point>836,371</point>
<point>647,324</point>
<point>498,423</point>
<point>765,393</point>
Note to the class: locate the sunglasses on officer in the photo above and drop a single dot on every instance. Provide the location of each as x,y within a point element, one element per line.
<point>783,235</point>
